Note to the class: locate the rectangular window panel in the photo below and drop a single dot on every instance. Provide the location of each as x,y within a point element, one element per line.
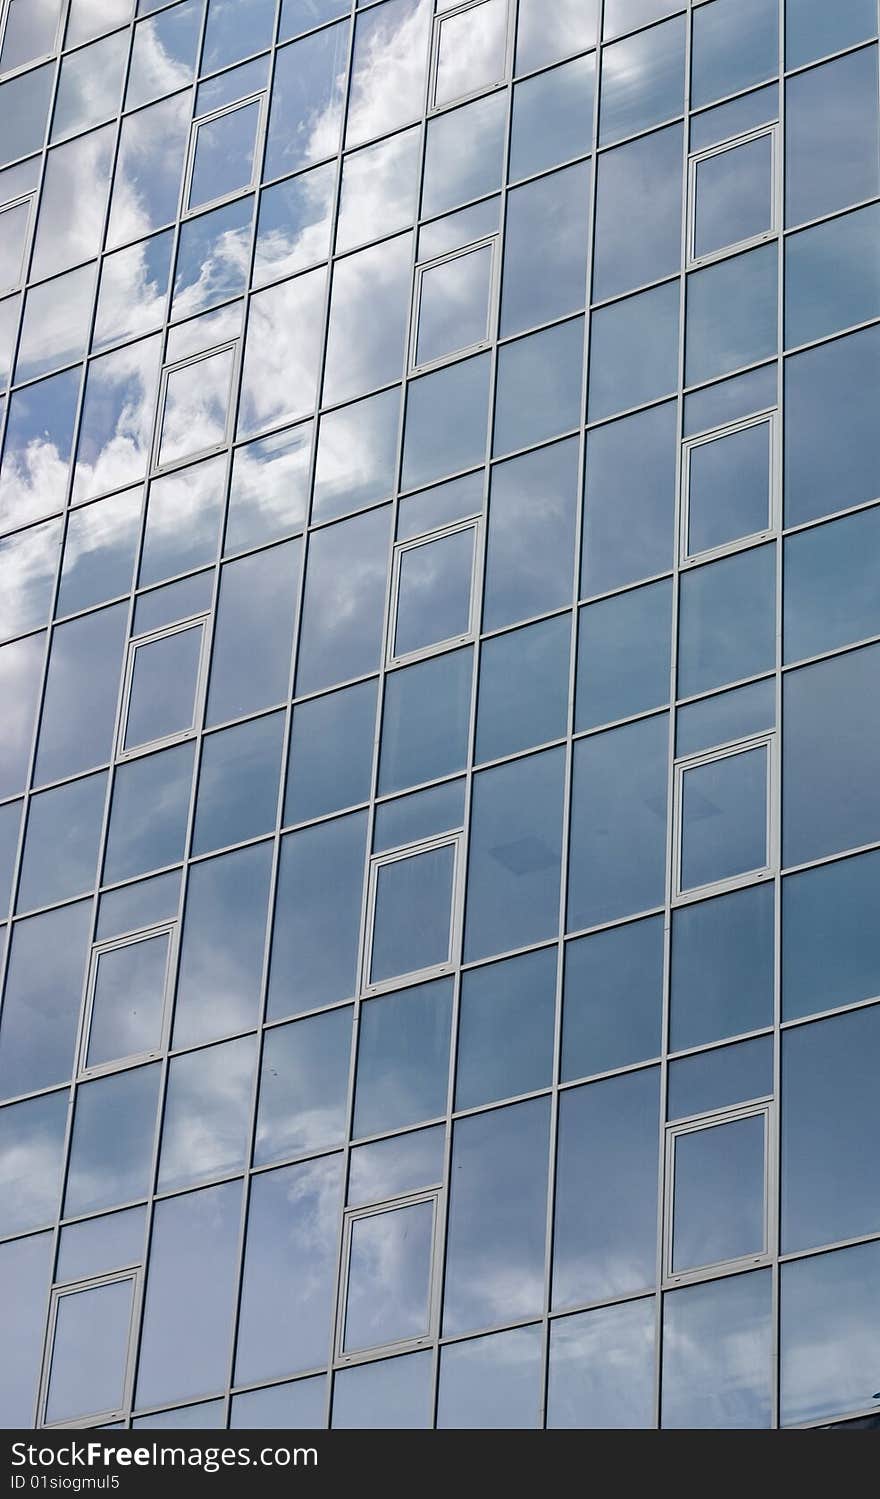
<point>223,152</point>
<point>735,44</point>
<point>453,301</point>
<point>724,806</point>
<point>642,81</point>
<point>552,117</point>
<point>127,998</point>
<point>602,1368</point>
<point>470,50</point>
<point>831,122</point>
<point>717,1198</point>
<point>434,582</point>
<point>729,488</point>
<point>717,1354</point>
<point>88,1372</point>
<point>733,195</point>
<point>195,406</point>
<point>165,677</point>
<point>403,1058</point>
<point>412,896</point>
<point>111,1152</point>
<point>388,1276</point>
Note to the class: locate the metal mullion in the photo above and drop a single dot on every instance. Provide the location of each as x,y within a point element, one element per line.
<point>261,1023</point>
<point>774,1120</point>
<point>569,744</point>
<point>663,1074</point>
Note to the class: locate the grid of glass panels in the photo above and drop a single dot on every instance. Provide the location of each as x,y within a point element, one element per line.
<point>440,658</point>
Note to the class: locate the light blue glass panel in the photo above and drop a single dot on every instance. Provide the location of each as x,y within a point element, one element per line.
<point>238,783</point>
<point>722,967</point>
<point>642,81</point>
<point>315,944</point>
<point>331,753</point>
<point>830,1327</point>
<point>539,387</point>
<point>624,654</point>
<point>446,418</point>
<point>832,276</point>
<point>830,940</point>
<point>629,500</point>
<point>250,666</point>
<point>221,959</point>
<point>304,1087</point>
<point>425,720</point>
<point>44,981</point>
<point>545,249</point>
<point>832,585</point>
<point>403,1058</point>
<point>831,120</point>
<point>602,1368</point>
<point>727,626</point>
<point>735,43</point>
<point>813,29</point>
<point>543,35</point>
<point>61,842</point>
<point>638,213</point>
<point>31,1152</point>
<point>612,999</point>
<point>832,441</point>
<point>307,100</point>
<point>492,1384</point>
<point>724,816</point>
<point>731,314</point>
<point>347,561</point>
<point>391,1395</point>
<point>532,517</point>
<point>25,1267</point>
<point>505,1029</point>
<point>719,1078</point>
<point>111,1151</point>
<point>716,1355</point>
<point>148,815</point>
<point>523,696</point>
<point>297,1406</point>
<point>634,353</point>
<point>552,117</point>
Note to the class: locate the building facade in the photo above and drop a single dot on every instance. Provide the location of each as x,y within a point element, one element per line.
<point>439,794</point>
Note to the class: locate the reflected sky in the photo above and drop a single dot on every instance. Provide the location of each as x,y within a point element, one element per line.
<point>294,224</point>
<point>368,319</point>
<point>471,51</point>
<point>111,1152</point>
<point>308,93</point>
<point>117,419</point>
<point>207,1113</point>
<point>716,1355</point>
<point>39,436</point>
<point>221,957</point>
<point>31,1146</point>
<point>90,85</point>
<point>304,1087</point>
<point>27,565</point>
<point>281,353</point>
<point>72,203</point>
<point>47,959</point>
<point>388,68</point>
<point>492,1383</point>
<point>24,1272</point>
<point>164,53</point>
<point>602,1369</point>
<point>146,187</point>
<point>389,1277</point>
<point>379,186</point>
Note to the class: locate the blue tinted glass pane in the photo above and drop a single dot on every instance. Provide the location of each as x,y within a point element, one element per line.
<point>111,1152</point>
<point>446,417</point>
<point>515,852</point>
<point>148,816</point>
<point>634,356</point>
<point>830,940</point>
<point>221,962</point>
<point>307,100</point>
<point>268,495</point>
<point>303,1087</point>
<point>389,1277</point>
<point>829,1186</point>
<point>727,626</point>
<point>368,311</point>
<point>545,249</point>
<point>292,1241</point>
<point>831,118</point>
<point>79,711</point>
<point>552,117</point>
<point>735,44</point>
<point>403,1058</point>
<point>61,842</point>
<point>638,213</point>
<point>719,1078</point>
<point>724,818</point>
<point>539,387</point>
<point>425,721</point>
<point>532,517</point>
<point>629,500</point>
<point>39,438</point>
<point>831,794</point>
<point>831,585</point>
<point>101,1244</point>
<point>412,914</point>
<point>92,1330</point>
<point>162,690</point>
<point>492,1383</point>
<point>497,1211</point>
<point>464,153</point>
<point>813,28</point>
<point>99,552</point>
<point>832,441</point>
<point>212,258</point>
<point>47,959</point>
<point>733,196</point>
<point>250,667</point>
<point>396,1166</point>
<point>169,548</point>
<point>602,1368</point>
<point>298,1406</point>
<point>832,276</point>
<point>24,111</point>
<point>434,591</point>
<point>728,492</point>
<point>128,1000</point>
<point>612,999</point>
<point>152,152</point>
<point>293,229</point>
<point>224,156</point>
<point>718,1200</point>
<point>230,34</point>
<point>388,68</point>
<point>617,862</point>
<point>830,1327</point>
<point>731,314</point>
<point>716,1355</point>
<point>642,81</point>
<point>32,1136</point>
<point>315,945</point>
<point>141,905</point>
<point>523,698</point>
<point>392,1395</point>
<point>238,783</point>
<point>25,1268</point>
<point>729,400</point>
<point>163,54</point>
<point>606,1189</point>
<point>543,35</point>
<point>331,753</point>
<point>349,561</point>
<point>422,814</point>
<point>624,653</point>
<point>746,112</point>
<point>454,305</point>
<point>505,1029</point>
<point>188,1309</point>
<point>722,967</point>
<point>207,1113</point>
<point>357,454</point>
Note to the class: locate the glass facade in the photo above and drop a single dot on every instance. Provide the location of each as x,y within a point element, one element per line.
<point>440,663</point>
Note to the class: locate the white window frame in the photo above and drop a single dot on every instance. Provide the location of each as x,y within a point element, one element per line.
<point>183,460</point>
<point>350,1216</point>
<point>766,742</point>
<point>396,856</point>
<point>195,622</point>
<point>41,57</point>
<point>134,1273</point>
<point>113,944</point>
<point>412,544</point>
<point>721,149</point>
<point>488,241</point>
<point>258,97</point>
<point>768,419</point>
<point>7,207</point>
<point>762,1108</point>
<point>446,14</point>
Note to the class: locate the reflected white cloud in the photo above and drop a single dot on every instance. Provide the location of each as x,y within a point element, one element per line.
<point>281,353</point>
<point>388,68</point>
<point>368,319</point>
<point>471,50</point>
<point>134,287</point>
<point>295,223</point>
<point>196,407</point>
<point>56,323</point>
<point>206,1113</point>
<point>146,187</point>
<point>117,419</point>
<point>27,569</point>
<point>72,203</point>
<point>379,190</point>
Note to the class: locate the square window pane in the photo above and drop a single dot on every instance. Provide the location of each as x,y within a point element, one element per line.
<point>724,818</point>
<point>729,485</point>
<point>454,305</point>
<point>718,1201</point>
<point>471,48</point>
<point>195,412</point>
<point>413,905</point>
<point>163,687</point>
<point>389,1277</point>
<point>733,195</point>
<point>128,1000</point>
<point>434,591</point>
<point>223,161</point>
<point>90,1351</point>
